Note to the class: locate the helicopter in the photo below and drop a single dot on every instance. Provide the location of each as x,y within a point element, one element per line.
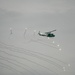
<point>47,34</point>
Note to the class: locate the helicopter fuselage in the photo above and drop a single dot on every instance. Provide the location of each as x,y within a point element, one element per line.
<point>47,35</point>
<point>50,35</point>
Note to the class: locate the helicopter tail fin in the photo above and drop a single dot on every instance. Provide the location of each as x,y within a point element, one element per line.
<point>39,32</point>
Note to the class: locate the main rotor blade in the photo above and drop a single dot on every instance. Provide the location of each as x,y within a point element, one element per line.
<point>50,31</point>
